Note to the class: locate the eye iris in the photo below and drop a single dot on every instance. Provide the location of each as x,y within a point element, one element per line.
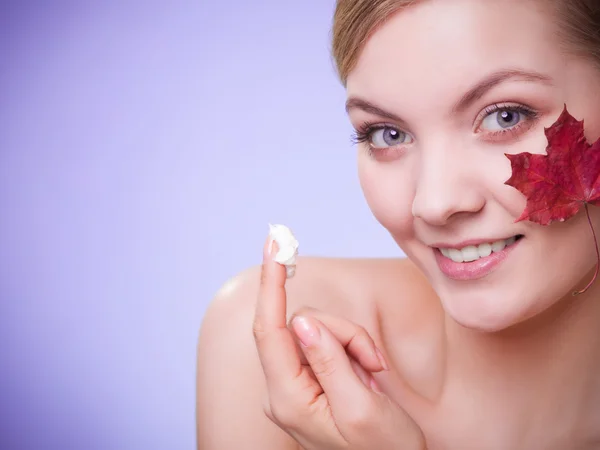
<point>391,136</point>
<point>508,118</point>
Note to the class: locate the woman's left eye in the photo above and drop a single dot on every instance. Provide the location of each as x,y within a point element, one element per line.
<point>502,119</point>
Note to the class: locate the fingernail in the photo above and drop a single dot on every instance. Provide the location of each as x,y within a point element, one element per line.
<point>375,386</point>
<point>306,332</point>
<point>269,248</point>
<point>382,360</point>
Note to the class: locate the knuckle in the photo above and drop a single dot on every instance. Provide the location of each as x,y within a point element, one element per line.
<point>361,334</point>
<point>258,330</point>
<point>360,340</point>
<point>288,406</point>
<point>360,417</point>
<point>284,414</point>
<point>361,331</point>
<point>323,365</point>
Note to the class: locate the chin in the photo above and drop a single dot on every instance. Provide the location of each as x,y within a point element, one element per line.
<point>492,309</point>
<point>489,313</point>
<point>486,304</point>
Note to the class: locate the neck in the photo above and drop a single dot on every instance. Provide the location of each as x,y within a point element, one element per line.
<point>545,369</point>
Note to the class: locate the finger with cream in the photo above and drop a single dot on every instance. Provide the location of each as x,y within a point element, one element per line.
<point>287,247</point>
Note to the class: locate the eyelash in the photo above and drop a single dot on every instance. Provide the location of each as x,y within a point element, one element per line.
<point>529,114</point>
<point>363,133</point>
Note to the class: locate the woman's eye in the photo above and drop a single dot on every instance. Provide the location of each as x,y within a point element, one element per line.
<point>388,137</point>
<point>502,120</point>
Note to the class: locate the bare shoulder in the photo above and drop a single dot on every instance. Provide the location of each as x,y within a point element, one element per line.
<point>352,287</point>
<point>362,290</point>
<point>230,382</point>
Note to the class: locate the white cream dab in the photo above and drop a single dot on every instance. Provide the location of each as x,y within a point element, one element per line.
<point>287,247</point>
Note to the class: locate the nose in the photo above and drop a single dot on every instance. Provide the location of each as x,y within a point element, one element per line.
<point>445,189</point>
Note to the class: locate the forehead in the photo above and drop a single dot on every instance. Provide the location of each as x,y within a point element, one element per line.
<point>435,47</point>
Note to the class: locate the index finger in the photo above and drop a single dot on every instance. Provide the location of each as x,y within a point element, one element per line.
<point>274,341</point>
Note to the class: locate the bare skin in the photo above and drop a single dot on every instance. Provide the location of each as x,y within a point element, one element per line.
<point>408,326</point>
<point>504,362</point>
<point>353,289</point>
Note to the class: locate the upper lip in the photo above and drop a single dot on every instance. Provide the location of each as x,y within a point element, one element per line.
<point>475,242</point>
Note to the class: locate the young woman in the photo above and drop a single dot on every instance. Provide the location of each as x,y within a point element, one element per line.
<point>431,351</point>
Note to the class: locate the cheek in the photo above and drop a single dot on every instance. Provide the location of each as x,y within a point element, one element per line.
<point>511,200</point>
<point>389,193</point>
<point>566,250</point>
<point>499,170</point>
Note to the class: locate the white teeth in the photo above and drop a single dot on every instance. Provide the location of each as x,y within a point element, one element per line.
<point>498,246</point>
<point>455,255</point>
<point>473,253</point>
<point>470,253</point>
<point>484,250</point>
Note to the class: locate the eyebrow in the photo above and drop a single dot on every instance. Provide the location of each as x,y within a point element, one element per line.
<point>493,80</point>
<point>471,96</point>
<point>364,105</point>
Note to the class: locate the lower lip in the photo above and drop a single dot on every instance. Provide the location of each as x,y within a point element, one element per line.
<point>474,269</point>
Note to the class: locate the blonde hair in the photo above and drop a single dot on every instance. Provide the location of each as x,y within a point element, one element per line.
<point>355,21</point>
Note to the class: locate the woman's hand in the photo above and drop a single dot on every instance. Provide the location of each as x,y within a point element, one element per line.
<point>330,401</point>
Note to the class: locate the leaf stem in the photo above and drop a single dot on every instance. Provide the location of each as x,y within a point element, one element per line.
<point>587,213</point>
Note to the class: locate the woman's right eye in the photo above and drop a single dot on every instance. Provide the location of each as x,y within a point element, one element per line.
<point>385,136</point>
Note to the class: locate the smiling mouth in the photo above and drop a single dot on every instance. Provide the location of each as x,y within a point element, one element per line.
<point>472,253</point>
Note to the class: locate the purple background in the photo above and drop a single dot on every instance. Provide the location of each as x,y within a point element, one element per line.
<point>144,147</point>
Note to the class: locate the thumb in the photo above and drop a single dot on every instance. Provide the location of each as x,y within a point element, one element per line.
<point>330,364</point>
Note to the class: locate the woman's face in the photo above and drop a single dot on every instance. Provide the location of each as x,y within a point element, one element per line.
<point>440,93</point>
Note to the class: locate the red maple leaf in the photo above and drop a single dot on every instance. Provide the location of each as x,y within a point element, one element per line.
<point>558,184</point>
